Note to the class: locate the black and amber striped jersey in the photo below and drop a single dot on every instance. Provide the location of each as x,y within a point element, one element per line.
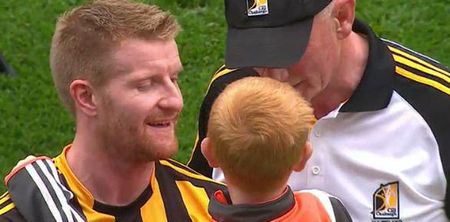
<point>220,79</point>
<point>385,152</point>
<point>47,190</point>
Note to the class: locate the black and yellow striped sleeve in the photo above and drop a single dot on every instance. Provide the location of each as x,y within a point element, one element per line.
<point>219,81</point>
<point>421,69</point>
<point>8,211</point>
<point>38,193</point>
<point>184,191</point>
<point>425,84</point>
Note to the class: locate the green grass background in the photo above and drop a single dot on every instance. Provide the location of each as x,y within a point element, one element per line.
<point>32,121</point>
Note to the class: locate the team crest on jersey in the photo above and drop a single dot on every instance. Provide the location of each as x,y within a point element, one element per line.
<point>386,203</point>
<point>257,7</point>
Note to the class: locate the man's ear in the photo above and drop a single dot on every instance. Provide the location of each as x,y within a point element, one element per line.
<point>304,157</point>
<point>343,14</point>
<point>84,99</point>
<point>208,152</point>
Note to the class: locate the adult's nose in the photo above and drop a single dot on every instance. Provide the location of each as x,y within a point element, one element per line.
<point>172,97</point>
<point>280,74</point>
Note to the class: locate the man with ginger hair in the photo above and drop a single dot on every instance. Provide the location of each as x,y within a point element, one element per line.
<point>257,134</point>
<point>115,65</point>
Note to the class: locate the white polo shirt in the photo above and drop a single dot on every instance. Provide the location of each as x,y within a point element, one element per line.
<point>386,152</point>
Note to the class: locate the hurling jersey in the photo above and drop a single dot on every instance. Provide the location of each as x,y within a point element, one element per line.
<point>47,190</point>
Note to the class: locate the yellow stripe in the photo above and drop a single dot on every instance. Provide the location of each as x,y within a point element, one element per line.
<point>3,195</point>
<point>195,200</point>
<point>422,80</point>
<point>187,173</point>
<point>154,209</point>
<point>194,148</point>
<point>4,199</point>
<point>418,60</point>
<point>6,208</point>
<point>420,67</point>
<point>219,74</point>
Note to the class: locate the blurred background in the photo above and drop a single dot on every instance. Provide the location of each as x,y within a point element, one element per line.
<point>32,121</point>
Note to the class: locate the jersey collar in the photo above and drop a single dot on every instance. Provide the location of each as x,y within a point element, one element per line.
<point>221,208</point>
<point>375,89</point>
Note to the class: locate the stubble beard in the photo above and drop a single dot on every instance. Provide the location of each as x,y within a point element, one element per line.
<point>131,143</point>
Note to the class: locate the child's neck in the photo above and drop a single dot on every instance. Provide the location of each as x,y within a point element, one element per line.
<point>240,197</point>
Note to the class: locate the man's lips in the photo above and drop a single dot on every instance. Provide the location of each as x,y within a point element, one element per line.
<point>160,124</point>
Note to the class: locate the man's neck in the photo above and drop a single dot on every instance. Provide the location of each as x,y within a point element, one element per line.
<point>110,179</point>
<point>353,60</point>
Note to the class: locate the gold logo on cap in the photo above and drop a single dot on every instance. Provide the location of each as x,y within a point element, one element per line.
<point>257,7</point>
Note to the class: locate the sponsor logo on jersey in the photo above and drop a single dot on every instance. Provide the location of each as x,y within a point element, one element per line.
<point>258,7</point>
<point>386,203</point>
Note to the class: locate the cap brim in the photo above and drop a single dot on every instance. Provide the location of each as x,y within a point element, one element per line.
<point>267,47</point>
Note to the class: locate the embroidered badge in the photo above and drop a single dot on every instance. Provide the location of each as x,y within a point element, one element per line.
<point>386,203</point>
<point>257,7</point>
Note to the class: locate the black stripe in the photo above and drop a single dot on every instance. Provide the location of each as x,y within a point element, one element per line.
<point>417,55</point>
<point>433,65</point>
<point>209,186</point>
<point>340,213</point>
<point>67,194</point>
<point>131,212</point>
<point>74,201</point>
<point>184,167</point>
<point>198,161</point>
<point>424,74</point>
<point>51,167</point>
<point>28,198</point>
<point>50,188</point>
<point>12,215</point>
<point>173,202</point>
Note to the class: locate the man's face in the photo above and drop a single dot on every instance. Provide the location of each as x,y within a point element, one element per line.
<point>140,106</point>
<point>312,73</point>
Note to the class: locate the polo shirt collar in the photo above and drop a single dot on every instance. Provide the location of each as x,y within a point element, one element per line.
<point>375,89</point>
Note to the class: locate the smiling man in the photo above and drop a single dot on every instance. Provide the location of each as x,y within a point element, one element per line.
<point>115,65</point>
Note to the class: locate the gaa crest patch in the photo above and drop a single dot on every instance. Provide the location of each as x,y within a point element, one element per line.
<point>386,203</point>
<point>258,7</point>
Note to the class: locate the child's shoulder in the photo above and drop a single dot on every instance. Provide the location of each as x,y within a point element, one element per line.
<point>325,203</point>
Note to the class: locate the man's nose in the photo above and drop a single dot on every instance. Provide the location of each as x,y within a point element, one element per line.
<point>173,99</point>
<point>280,74</point>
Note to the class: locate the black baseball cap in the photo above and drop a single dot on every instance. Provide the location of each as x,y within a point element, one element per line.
<point>268,33</point>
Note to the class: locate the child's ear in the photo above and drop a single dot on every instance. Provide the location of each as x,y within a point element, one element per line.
<point>208,152</point>
<point>307,152</point>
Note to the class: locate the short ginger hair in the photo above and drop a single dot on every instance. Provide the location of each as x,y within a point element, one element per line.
<point>86,37</point>
<point>258,128</point>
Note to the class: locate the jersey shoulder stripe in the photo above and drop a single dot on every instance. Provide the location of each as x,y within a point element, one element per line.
<point>405,50</point>
<point>6,204</point>
<point>419,68</point>
<point>221,72</point>
<point>185,172</point>
<point>8,210</point>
